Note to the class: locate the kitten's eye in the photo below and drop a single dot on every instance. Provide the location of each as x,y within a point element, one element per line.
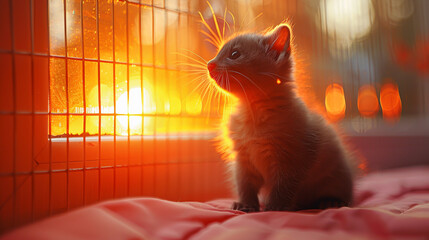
<point>235,54</point>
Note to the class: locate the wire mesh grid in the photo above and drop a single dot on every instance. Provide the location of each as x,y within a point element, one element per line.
<point>94,104</point>
<point>49,163</point>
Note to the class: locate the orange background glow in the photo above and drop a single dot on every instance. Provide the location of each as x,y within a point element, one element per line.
<point>105,99</point>
<point>367,101</point>
<point>134,76</point>
<point>390,101</point>
<point>335,102</point>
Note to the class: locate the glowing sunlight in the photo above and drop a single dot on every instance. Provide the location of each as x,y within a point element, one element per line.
<point>134,107</point>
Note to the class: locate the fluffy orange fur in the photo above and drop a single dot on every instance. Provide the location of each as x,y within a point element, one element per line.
<point>279,148</point>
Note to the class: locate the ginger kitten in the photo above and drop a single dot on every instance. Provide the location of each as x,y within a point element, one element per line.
<point>284,152</point>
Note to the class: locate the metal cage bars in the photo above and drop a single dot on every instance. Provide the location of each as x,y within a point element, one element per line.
<point>34,175</point>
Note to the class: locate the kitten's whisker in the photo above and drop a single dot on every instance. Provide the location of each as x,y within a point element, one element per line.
<point>214,94</point>
<point>219,100</point>
<point>212,43</point>
<point>218,93</point>
<point>260,89</point>
<point>195,64</point>
<point>228,86</point>
<point>233,20</point>
<point>200,89</point>
<point>209,98</point>
<point>215,21</point>
<point>242,23</point>
<point>204,63</point>
<point>200,85</point>
<point>192,68</point>
<point>203,21</point>
<point>196,55</point>
<point>197,78</point>
<point>192,72</point>
<point>189,68</point>
<point>212,34</point>
<point>195,71</point>
<point>224,21</point>
<point>227,25</point>
<point>254,19</point>
<point>205,90</point>
<point>227,82</point>
<point>187,75</point>
<point>210,39</point>
<point>228,89</point>
<point>192,65</point>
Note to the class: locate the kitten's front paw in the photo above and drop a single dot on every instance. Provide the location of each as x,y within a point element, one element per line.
<point>244,207</point>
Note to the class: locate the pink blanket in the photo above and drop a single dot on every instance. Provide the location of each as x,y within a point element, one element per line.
<point>389,205</point>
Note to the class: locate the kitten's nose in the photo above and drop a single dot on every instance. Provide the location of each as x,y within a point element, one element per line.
<point>211,66</point>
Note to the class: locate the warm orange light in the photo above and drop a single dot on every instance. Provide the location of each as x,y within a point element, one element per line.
<point>390,102</point>
<point>105,98</point>
<point>335,102</point>
<point>367,101</point>
<point>135,107</point>
<point>194,104</point>
<point>108,97</point>
<point>173,106</point>
<point>278,81</point>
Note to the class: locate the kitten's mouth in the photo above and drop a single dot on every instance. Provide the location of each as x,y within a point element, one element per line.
<point>213,73</point>
<point>217,74</point>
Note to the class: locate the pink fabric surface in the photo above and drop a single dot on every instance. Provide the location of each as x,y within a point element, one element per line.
<point>389,205</point>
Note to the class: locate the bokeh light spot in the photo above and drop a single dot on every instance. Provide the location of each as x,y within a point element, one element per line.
<point>367,101</point>
<point>390,101</point>
<point>335,102</point>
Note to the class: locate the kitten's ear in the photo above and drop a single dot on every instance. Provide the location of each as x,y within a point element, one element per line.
<point>279,40</point>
